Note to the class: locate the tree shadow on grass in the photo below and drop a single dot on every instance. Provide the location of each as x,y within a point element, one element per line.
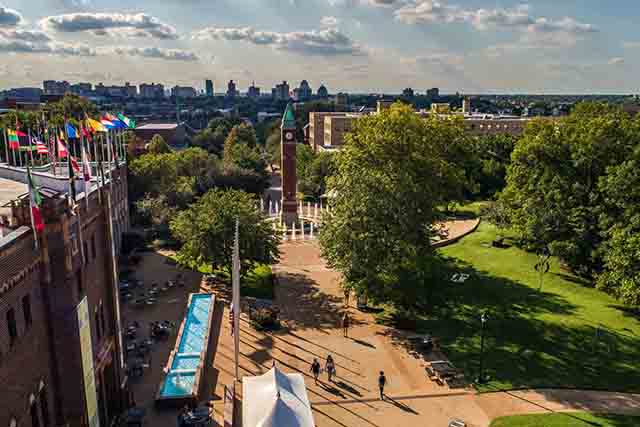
<point>522,349</point>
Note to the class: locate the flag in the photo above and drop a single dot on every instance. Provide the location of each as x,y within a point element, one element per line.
<point>119,124</point>
<point>131,124</point>
<point>72,133</point>
<point>72,183</point>
<point>14,142</point>
<point>86,132</point>
<point>74,164</point>
<point>107,123</point>
<point>95,125</point>
<point>62,150</point>
<point>35,201</point>
<point>41,148</point>
<point>86,174</point>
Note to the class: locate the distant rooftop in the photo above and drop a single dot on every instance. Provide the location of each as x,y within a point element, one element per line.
<point>158,126</point>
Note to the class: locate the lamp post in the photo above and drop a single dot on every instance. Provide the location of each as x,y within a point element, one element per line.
<point>483,320</point>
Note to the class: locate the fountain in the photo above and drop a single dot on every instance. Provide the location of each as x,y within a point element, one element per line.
<point>271,207</point>
<point>293,231</point>
<point>311,233</point>
<point>308,208</point>
<point>261,205</point>
<point>302,228</point>
<point>315,210</point>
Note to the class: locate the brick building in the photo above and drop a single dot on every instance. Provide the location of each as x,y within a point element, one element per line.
<point>60,345</point>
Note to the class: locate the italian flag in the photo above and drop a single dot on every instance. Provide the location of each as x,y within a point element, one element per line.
<point>35,201</point>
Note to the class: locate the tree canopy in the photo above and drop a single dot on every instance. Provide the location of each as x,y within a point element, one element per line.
<point>206,231</point>
<point>394,172</point>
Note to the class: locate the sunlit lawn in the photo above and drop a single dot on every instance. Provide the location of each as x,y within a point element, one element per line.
<point>568,335</point>
<point>572,419</point>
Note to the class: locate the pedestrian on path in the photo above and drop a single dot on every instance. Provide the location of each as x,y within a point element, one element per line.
<point>347,293</point>
<point>315,369</point>
<point>382,381</point>
<point>330,367</point>
<point>345,324</point>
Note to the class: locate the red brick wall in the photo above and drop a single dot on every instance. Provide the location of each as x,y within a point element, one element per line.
<point>24,365</point>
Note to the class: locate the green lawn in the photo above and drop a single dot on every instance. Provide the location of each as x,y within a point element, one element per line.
<point>572,419</point>
<point>568,335</point>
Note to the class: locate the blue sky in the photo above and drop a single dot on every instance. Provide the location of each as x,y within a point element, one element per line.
<point>561,46</point>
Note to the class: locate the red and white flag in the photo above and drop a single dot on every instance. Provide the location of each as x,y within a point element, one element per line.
<point>41,148</point>
<point>74,164</point>
<point>62,150</point>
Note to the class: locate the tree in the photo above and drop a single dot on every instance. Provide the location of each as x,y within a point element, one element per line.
<point>620,221</point>
<point>206,231</point>
<point>273,149</point>
<point>391,177</point>
<point>158,145</point>
<point>552,191</point>
<point>155,211</point>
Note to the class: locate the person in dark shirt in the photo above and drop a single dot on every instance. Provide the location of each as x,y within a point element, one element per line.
<point>315,369</point>
<point>382,381</point>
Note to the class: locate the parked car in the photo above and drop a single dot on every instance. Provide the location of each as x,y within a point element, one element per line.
<point>457,423</point>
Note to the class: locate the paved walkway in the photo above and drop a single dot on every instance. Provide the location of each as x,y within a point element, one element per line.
<point>311,301</point>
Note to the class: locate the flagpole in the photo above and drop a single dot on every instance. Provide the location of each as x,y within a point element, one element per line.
<point>30,148</point>
<point>84,165</point>
<point>33,222</point>
<point>236,297</point>
<point>6,145</point>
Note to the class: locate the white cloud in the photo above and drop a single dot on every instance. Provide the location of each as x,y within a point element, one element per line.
<point>616,61</point>
<point>329,21</point>
<point>151,52</point>
<point>9,17</point>
<point>631,45</point>
<point>101,24</point>
<point>557,32</point>
<point>326,42</point>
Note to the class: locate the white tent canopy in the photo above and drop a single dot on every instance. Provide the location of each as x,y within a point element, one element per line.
<point>275,399</point>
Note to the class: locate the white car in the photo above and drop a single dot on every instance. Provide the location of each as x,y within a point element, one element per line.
<point>457,423</point>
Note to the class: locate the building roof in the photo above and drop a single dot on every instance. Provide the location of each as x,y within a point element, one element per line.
<point>10,190</point>
<point>158,126</point>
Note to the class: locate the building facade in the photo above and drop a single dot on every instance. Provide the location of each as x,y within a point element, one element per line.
<point>183,92</point>
<point>316,128</point>
<point>281,91</point>
<point>232,90</point>
<point>253,92</point>
<point>151,91</point>
<point>209,88</point>
<point>60,340</point>
<point>52,87</point>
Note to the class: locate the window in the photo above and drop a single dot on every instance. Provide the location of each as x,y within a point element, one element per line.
<point>44,407</point>
<point>12,326</point>
<point>26,309</point>
<point>79,284</point>
<point>102,320</point>
<point>93,246</point>
<point>33,410</point>
<point>85,248</point>
<point>98,326</point>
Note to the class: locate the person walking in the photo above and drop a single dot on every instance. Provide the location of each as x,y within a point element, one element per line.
<point>315,369</point>
<point>347,293</point>
<point>330,367</point>
<point>345,324</point>
<point>382,381</point>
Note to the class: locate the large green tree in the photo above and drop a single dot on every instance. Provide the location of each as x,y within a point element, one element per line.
<point>552,193</point>
<point>206,231</point>
<point>394,172</point>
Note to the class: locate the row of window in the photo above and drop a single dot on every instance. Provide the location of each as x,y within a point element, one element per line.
<point>12,324</point>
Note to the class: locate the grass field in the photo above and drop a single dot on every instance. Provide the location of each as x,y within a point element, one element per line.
<point>573,419</point>
<point>567,335</point>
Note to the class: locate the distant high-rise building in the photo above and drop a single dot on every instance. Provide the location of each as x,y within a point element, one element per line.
<point>407,93</point>
<point>151,91</point>
<point>303,92</point>
<point>466,105</point>
<point>253,92</point>
<point>433,93</point>
<point>130,91</point>
<point>209,87</point>
<point>183,92</point>
<point>81,88</point>
<point>231,89</point>
<point>52,87</point>
<point>342,99</point>
<point>323,92</point>
<point>281,91</point>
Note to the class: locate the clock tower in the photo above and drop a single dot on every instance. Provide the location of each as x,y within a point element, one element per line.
<point>288,167</point>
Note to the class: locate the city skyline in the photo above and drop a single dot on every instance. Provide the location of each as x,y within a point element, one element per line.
<point>471,46</point>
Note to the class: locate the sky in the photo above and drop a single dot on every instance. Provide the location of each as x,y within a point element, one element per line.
<point>467,46</point>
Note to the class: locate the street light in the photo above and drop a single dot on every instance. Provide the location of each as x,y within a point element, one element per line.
<point>481,379</point>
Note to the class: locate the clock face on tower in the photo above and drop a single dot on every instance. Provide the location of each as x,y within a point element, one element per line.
<point>288,136</point>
